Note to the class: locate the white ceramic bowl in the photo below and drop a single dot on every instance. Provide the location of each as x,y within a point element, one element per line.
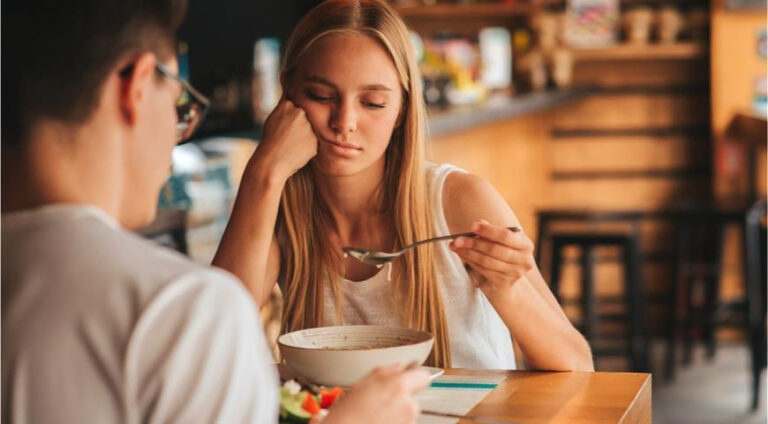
<point>342,355</point>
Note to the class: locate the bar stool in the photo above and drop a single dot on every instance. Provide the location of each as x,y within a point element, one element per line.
<point>697,269</point>
<point>633,299</point>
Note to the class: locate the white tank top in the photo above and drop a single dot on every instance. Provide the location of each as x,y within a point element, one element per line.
<point>477,335</point>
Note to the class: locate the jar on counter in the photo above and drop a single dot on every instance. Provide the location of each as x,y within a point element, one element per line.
<point>560,61</point>
<point>533,70</point>
<point>637,25</point>
<point>669,24</point>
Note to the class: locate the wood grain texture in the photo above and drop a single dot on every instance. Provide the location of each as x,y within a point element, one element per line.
<point>614,111</point>
<point>628,153</point>
<point>641,74</point>
<point>567,397</point>
<point>644,52</point>
<point>641,193</point>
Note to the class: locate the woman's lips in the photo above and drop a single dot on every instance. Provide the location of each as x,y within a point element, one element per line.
<point>341,145</point>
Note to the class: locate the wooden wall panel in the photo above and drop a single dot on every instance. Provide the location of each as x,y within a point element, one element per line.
<point>636,153</point>
<point>685,73</point>
<point>636,193</point>
<point>623,111</point>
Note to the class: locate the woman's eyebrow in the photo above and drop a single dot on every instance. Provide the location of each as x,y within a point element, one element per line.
<point>368,87</point>
<point>320,80</point>
<point>375,87</point>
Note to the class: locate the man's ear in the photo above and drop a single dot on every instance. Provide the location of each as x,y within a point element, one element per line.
<point>136,85</point>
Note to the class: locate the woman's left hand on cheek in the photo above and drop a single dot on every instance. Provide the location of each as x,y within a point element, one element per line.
<point>499,255</point>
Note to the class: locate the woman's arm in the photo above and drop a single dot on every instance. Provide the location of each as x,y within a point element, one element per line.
<point>508,276</point>
<point>248,247</point>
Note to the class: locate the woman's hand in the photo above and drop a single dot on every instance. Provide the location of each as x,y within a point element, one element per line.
<point>288,142</point>
<point>384,396</point>
<point>499,256</point>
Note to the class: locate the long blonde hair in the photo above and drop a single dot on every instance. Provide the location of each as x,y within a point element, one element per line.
<point>304,221</point>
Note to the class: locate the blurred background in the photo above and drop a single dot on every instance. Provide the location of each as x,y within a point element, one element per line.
<point>629,137</point>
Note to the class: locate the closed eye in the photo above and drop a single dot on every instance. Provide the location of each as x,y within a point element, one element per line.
<point>325,99</point>
<point>374,105</point>
<point>318,98</point>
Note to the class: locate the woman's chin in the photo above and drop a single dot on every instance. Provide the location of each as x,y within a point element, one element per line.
<point>334,167</point>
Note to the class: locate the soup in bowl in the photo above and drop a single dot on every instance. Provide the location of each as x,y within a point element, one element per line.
<point>342,355</point>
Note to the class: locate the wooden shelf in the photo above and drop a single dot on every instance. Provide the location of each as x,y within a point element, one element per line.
<point>500,10</point>
<point>464,11</point>
<point>472,17</point>
<point>653,3</point>
<point>622,52</point>
<point>465,18</point>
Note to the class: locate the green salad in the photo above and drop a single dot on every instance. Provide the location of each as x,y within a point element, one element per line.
<point>299,405</point>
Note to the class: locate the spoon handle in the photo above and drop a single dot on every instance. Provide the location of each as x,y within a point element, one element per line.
<point>453,236</point>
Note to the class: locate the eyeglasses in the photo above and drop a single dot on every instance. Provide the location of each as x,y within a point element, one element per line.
<point>190,107</point>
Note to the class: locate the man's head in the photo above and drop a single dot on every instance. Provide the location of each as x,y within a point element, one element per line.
<point>89,68</point>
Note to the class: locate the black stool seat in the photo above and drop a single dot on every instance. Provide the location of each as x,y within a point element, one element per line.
<point>590,238</point>
<point>637,339</point>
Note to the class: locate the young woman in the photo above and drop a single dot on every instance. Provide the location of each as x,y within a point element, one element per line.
<point>342,163</point>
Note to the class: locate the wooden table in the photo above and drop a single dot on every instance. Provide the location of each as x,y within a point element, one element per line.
<point>566,397</point>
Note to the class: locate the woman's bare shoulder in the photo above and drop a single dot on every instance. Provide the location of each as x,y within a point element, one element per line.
<point>468,198</point>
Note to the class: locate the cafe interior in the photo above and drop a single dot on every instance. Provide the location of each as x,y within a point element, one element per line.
<point>628,136</point>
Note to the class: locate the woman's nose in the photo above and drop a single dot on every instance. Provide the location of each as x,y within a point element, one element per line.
<point>343,119</point>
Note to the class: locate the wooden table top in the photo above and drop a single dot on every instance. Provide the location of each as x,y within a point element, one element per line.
<point>566,397</point>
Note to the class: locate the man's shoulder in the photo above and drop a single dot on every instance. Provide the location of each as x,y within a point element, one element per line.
<point>129,255</point>
<point>151,268</point>
<point>104,257</point>
<point>156,271</point>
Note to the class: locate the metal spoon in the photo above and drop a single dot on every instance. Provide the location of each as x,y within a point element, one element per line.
<point>378,258</point>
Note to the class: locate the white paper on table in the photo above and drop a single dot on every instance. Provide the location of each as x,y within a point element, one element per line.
<point>451,400</point>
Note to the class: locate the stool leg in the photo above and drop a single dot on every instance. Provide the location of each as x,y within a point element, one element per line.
<point>588,293</point>
<point>675,290</point>
<point>713,293</point>
<point>690,316</point>
<point>754,278</point>
<point>635,300</point>
<point>690,311</point>
<point>757,353</point>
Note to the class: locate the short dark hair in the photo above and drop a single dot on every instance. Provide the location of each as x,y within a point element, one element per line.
<point>56,54</point>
